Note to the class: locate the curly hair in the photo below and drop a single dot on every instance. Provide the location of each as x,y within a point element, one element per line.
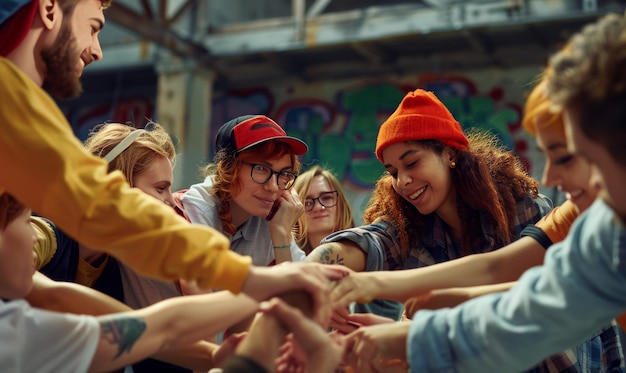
<point>488,178</point>
<point>588,78</point>
<point>225,170</point>
<point>344,212</point>
<point>134,160</point>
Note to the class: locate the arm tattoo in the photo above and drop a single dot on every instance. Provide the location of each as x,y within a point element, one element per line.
<point>122,331</point>
<point>328,256</point>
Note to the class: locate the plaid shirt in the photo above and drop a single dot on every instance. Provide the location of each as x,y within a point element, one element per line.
<point>382,246</point>
<point>602,353</point>
<point>381,243</point>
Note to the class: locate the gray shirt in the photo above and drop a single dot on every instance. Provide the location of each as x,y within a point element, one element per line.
<point>252,238</point>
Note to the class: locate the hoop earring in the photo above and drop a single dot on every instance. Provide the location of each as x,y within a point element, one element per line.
<point>452,164</point>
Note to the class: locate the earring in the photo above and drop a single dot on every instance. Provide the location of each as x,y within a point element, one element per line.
<point>452,164</point>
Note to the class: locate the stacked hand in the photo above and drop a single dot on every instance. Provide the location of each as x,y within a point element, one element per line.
<point>358,287</point>
<point>377,348</point>
<point>315,278</point>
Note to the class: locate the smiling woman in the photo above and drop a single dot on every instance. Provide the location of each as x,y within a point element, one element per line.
<point>246,193</point>
<point>445,195</point>
<point>326,207</point>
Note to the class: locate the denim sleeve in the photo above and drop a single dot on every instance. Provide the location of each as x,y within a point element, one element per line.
<point>578,290</point>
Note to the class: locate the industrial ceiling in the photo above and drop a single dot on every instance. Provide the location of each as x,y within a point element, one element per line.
<point>248,42</point>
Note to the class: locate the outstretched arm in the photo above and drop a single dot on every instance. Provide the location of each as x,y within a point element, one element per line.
<point>69,297</point>
<point>132,336</point>
<point>98,208</point>
<point>451,297</point>
<point>503,265</point>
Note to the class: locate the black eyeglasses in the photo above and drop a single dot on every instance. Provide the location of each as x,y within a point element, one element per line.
<point>326,199</point>
<point>260,174</point>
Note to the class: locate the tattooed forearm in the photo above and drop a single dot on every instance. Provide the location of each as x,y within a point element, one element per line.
<point>327,255</point>
<point>122,331</point>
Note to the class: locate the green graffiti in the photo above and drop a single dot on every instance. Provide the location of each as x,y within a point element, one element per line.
<point>365,108</point>
<point>480,112</point>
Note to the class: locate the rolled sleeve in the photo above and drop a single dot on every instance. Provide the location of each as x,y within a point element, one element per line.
<point>547,311</point>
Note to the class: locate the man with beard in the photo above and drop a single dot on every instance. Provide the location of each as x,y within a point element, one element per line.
<point>48,43</point>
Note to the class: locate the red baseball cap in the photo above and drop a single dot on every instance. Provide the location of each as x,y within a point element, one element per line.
<point>247,131</point>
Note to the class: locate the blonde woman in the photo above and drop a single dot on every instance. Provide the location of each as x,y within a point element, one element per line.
<point>326,207</point>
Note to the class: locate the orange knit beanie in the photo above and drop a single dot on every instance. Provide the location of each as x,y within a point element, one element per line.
<point>420,116</point>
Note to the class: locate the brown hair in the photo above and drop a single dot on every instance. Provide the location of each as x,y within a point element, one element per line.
<point>10,209</point>
<point>588,78</point>
<point>302,186</point>
<point>225,170</point>
<point>152,143</point>
<point>68,6</point>
<point>487,177</point>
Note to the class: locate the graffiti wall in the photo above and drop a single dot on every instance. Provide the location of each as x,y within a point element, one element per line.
<point>339,120</point>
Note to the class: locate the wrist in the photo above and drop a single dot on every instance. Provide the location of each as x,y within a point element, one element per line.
<point>281,247</point>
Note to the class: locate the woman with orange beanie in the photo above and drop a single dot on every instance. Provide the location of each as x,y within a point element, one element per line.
<point>434,287</point>
<point>444,196</point>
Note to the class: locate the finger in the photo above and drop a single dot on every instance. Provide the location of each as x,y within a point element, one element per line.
<point>369,319</point>
<point>344,328</point>
<point>333,272</point>
<point>415,304</point>
<point>288,315</point>
<point>337,319</point>
<point>339,294</point>
<point>350,341</point>
<point>321,298</point>
<point>342,312</point>
<point>294,196</point>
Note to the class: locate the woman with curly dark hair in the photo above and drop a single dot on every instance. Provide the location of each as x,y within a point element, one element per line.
<point>444,195</point>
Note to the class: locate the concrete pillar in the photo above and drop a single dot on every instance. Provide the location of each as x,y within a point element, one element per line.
<point>184,108</point>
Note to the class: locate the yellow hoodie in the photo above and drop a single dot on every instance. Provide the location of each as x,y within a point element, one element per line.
<point>46,167</point>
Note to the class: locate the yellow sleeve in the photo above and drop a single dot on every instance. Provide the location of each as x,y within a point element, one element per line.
<point>558,222</point>
<point>54,175</point>
<point>46,245</point>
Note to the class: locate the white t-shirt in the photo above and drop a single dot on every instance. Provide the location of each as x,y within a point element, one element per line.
<point>252,238</point>
<point>34,340</point>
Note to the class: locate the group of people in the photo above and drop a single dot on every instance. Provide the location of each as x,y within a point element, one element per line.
<point>104,267</point>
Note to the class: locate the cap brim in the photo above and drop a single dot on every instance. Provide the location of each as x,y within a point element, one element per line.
<point>298,146</point>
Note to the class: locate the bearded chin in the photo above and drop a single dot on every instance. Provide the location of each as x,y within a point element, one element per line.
<point>61,80</point>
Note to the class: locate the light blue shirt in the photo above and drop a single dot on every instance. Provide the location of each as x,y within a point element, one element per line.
<point>580,288</point>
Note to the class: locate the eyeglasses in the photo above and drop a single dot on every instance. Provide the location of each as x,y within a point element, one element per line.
<point>261,174</point>
<point>326,199</point>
